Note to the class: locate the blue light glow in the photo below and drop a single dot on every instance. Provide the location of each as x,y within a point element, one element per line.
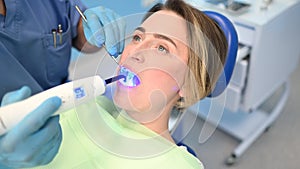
<point>131,80</point>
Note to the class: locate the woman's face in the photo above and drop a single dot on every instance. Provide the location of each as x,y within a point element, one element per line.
<point>158,55</point>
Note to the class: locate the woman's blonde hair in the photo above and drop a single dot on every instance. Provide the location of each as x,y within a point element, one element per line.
<point>206,54</point>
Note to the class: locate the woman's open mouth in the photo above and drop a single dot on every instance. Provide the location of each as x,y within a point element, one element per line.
<point>131,79</point>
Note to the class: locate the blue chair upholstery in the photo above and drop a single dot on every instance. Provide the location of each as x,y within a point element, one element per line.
<point>232,40</point>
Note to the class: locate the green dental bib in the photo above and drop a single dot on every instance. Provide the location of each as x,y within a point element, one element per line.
<point>96,136</point>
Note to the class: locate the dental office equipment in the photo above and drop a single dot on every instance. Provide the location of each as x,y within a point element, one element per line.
<point>231,6</point>
<point>265,4</point>
<point>71,93</point>
<point>256,94</point>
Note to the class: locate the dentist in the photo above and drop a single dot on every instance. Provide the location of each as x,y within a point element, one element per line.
<point>35,49</point>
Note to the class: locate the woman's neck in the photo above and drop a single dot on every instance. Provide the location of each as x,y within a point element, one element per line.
<point>161,129</point>
<point>2,8</point>
<point>161,124</point>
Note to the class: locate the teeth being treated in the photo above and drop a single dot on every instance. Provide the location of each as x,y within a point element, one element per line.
<point>131,80</point>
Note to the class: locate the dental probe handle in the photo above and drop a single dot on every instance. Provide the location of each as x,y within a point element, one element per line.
<point>71,93</point>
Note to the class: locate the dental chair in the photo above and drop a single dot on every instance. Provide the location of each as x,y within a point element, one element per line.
<point>232,40</point>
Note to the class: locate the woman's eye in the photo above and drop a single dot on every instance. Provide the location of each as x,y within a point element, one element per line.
<point>162,49</point>
<point>136,38</point>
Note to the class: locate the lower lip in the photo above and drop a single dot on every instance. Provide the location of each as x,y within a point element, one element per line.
<point>125,86</point>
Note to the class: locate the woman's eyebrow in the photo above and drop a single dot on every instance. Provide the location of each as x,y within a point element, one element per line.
<point>141,29</point>
<point>159,36</point>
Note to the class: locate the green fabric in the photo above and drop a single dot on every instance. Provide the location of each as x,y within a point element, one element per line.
<point>96,136</point>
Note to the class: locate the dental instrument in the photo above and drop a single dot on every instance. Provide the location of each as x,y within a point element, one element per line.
<point>72,94</point>
<point>85,20</point>
<point>80,12</point>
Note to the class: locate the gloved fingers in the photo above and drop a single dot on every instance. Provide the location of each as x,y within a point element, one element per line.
<point>42,141</point>
<point>47,133</point>
<point>49,139</point>
<point>31,123</point>
<point>104,26</point>
<point>33,150</point>
<point>87,32</point>
<point>121,25</point>
<point>112,31</point>
<point>15,96</point>
<point>36,119</point>
<point>94,28</point>
<point>50,154</point>
<point>50,151</point>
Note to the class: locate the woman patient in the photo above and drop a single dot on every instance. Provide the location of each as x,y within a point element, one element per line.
<point>177,53</point>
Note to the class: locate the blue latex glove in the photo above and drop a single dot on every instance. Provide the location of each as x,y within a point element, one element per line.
<point>36,139</point>
<point>104,26</point>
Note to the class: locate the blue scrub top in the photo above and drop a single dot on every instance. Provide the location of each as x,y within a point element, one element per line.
<point>27,52</point>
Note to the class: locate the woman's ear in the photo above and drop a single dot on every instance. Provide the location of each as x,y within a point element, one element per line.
<point>181,92</point>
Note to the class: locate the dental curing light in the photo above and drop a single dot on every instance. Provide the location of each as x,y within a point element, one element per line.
<point>72,94</point>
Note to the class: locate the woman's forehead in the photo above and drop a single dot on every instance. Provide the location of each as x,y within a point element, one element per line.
<point>167,23</point>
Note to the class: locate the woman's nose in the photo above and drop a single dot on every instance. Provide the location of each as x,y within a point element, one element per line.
<point>137,57</point>
<point>139,52</point>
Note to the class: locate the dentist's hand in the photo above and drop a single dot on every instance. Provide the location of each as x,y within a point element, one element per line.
<point>36,139</point>
<point>104,26</point>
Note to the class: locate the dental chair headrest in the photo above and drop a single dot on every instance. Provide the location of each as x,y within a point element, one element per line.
<point>232,40</point>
